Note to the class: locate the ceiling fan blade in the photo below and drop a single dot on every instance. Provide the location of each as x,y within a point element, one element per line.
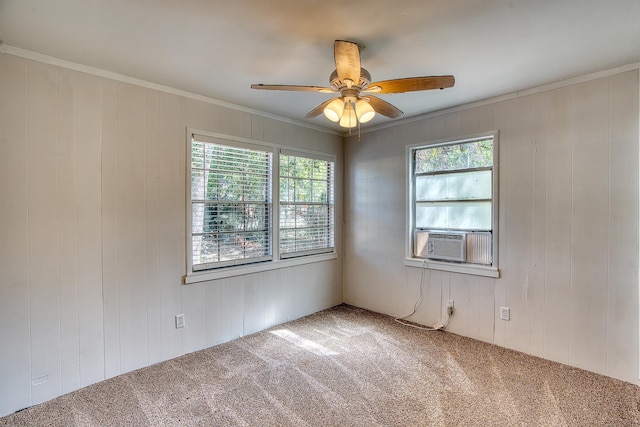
<point>295,88</point>
<point>383,107</point>
<point>347,57</point>
<point>411,84</point>
<point>319,109</point>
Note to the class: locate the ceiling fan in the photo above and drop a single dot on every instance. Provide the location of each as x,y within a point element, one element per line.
<point>352,81</point>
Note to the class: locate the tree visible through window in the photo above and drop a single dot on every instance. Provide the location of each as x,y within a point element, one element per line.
<point>230,204</point>
<point>306,205</point>
<point>231,218</point>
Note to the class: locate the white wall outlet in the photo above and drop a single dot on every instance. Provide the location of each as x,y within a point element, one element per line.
<point>179,321</point>
<point>505,313</point>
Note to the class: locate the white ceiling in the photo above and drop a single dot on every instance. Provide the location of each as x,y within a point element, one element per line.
<point>218,48</point>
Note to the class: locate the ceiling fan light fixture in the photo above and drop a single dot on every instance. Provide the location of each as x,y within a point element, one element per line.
<point>349,119</point>
<point>364,111</point>
<point>333,111</point>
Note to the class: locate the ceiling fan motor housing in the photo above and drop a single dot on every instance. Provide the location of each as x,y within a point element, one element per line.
<point>337,83</point>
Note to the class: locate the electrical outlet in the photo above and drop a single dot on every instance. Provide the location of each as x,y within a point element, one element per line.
<point>505,313</point>
<point>449,307</point>
<point>179,321</point>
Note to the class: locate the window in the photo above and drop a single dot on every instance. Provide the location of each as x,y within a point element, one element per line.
<point>230,203</point>
<point>453,202</point>
<point>306,205</point>
<point>254,206</point>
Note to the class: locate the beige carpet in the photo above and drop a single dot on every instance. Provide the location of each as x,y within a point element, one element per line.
<point>346,366</point>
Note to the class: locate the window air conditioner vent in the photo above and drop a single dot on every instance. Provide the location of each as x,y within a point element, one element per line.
<point>447,246</point>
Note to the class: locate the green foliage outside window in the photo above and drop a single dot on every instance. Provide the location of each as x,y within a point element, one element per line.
<point>467,155</point>
<point>231,196</point>
<point>306,204</point>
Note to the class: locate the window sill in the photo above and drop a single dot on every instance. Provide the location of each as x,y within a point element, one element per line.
<point>475,270</point>
<point>224,272</point>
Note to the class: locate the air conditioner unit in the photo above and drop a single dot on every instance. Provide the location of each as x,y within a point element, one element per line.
<point>447,246</point>
<point>478,247</point>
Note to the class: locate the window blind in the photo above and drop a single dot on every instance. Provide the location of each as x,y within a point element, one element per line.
<point>230,204</point>
<point>306,205</point>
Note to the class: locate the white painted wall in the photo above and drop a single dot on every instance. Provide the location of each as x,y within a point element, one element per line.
<point>92,232</point>
<point>568,225</point>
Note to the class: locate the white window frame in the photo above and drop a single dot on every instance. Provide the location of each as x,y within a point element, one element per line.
<point>268,203</point>
<point>329,204</point>
<point>275,262</point>
<point>465,268</point>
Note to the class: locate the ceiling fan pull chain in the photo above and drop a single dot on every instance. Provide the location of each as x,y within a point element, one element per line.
<point>357,121</point>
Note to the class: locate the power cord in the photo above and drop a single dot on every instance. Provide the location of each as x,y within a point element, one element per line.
<point>436,326</point>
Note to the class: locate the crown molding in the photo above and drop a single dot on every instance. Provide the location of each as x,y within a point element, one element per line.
<point>39,57</point>
<point>512,95</point>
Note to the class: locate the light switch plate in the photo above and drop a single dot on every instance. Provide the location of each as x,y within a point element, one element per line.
<point>179,321</point>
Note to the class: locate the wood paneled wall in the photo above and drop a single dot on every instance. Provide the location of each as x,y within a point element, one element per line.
<point>92,237</point>
<point>92,232</point>
<point>568,226</point>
